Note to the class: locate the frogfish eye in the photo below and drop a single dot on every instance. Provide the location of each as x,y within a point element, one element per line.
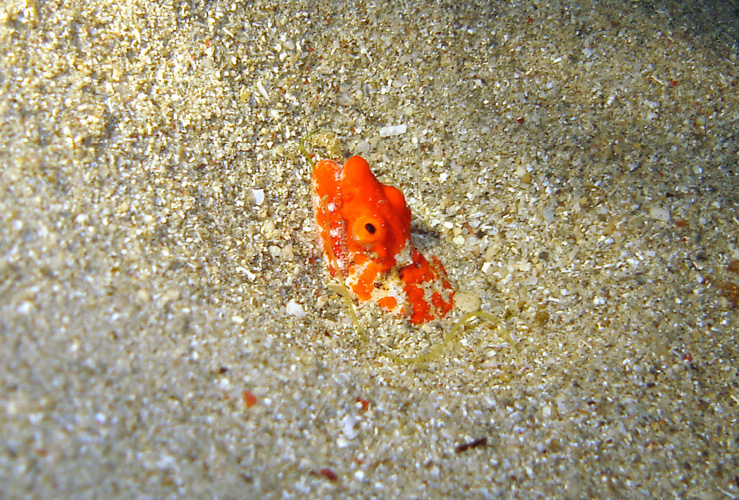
<point>368,230</point>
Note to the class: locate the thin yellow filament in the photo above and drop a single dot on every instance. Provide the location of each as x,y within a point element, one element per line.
<point>450,337</point>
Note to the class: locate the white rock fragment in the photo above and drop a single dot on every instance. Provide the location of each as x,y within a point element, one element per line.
<point>258,196</point>
<point>363,148</point>
<point>25,308</point>
<point>549,215</point>
<point>468,301</point>
<point>393,130</point>
<point>659,213</point>
<point>348,427</point>
<point>546,411</point>
<point>262,91</point>
<point>166,462</point>
<point>267,228</point>
<point>342,442</point>
<point>294,309</point>
<point>530,281</point>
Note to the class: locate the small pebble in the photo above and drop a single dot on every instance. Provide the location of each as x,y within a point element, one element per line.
<point>468,301</point>
<point>659,213</point>
<point>363,148</point>
<point>295,309</point>
<point>258,196</point>
<point>393,130</point>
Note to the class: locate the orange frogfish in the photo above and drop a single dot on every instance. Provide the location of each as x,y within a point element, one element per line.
<point>365,230</point>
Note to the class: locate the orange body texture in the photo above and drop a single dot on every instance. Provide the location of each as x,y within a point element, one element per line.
<point>365,231</point>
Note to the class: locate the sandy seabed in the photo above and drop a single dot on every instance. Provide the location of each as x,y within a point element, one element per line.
<point>167,325</point>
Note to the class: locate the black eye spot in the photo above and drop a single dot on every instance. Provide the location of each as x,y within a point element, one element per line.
<point>370,228</point>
